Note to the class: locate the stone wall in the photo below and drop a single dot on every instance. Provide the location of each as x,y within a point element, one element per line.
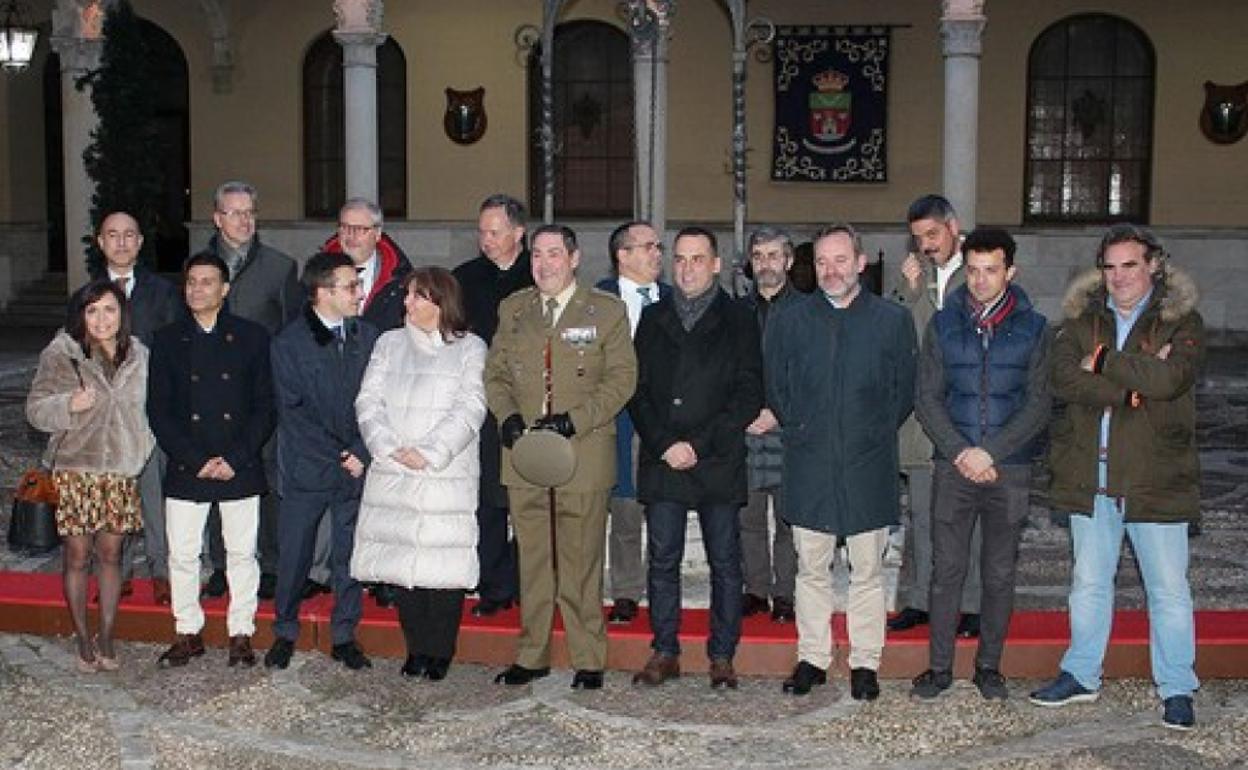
<point>23,258</point>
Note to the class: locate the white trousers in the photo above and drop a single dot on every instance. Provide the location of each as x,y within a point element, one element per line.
<point>866,610</point>
<point>184,525</point>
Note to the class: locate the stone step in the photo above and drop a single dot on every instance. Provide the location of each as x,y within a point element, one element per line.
<point>33,604</point>
<point>38,305</point>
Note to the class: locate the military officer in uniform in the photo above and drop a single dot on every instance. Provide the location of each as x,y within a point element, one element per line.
<point>562,359</point>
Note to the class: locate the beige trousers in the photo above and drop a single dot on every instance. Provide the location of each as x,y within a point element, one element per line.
<point>184,527</point>
<point>570,577</point>
<point>866,611</point>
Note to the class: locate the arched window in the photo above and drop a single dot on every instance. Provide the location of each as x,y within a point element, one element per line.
<point>593,121</point>
<point>324,142</point>
<point>1089,122</point>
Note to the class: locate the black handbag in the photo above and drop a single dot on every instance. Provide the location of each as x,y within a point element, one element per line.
<point>32,526</point>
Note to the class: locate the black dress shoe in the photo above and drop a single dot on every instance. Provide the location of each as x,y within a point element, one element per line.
<point>489,607</point>
<point>863,684</point>
<point>587,680</point>
<point>216,586</point>
<point>624,611</point>
<point>268,586</point>
<point>414,666</point>
<point>382,594</point>
<point>279,654</point>
<point>908,618</point>
<point>782,610</point>
<point>752,604</point>
<point>968,626</point>
<point>351,656</point>
<point>435,670</point>
<point>516,674</point>
<point>312,589</point>
<point>804,677</point>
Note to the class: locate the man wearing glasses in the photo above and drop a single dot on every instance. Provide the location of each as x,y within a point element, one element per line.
<point>378,260</point>
<point>264,288</point>
<point>637,260</point>
<point>318,362</point>
<point>380,266</point>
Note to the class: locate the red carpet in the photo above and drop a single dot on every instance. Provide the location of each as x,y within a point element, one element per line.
<point>32,603</point>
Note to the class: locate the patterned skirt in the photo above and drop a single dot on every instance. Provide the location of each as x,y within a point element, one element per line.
<point>96,502</point>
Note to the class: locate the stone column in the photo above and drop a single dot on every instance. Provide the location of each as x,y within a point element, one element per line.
<point>650,116</point>
<point>77,41</point>
<point>359,33</point>
<point>961,27</point>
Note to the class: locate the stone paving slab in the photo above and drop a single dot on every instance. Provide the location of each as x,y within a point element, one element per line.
<point>318,715</point>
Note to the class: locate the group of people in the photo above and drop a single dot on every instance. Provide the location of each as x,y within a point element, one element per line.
<point>385,410</point>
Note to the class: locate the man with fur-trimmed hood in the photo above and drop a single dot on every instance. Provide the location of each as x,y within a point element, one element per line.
<point>1123,458</point>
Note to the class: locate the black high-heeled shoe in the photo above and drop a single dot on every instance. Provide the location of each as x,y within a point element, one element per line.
<point>436,668</point>
<point>415,666</point>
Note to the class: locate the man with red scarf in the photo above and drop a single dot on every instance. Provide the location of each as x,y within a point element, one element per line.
<point>379,262</point>
<point>983,398</point>
<point>380,266</point>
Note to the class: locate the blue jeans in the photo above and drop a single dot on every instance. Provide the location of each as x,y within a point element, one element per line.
<point>1161,551</point>
<point>665,535</point>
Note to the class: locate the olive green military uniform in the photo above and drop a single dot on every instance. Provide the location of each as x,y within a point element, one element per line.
<point>593,375</point>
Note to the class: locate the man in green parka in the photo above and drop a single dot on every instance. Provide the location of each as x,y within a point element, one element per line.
<point>1123,458</point>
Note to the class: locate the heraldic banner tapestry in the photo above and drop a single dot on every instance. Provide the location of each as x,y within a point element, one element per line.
<point>831,104</point>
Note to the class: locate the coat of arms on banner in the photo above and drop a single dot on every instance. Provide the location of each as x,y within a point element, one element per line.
<point>831,90</point>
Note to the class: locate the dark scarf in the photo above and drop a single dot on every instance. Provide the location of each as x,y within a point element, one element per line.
<point>691,309</point>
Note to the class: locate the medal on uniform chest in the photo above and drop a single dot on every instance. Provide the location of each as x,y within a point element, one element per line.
<point>580,338</point>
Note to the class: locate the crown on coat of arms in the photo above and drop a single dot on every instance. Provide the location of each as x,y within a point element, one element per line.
<point>830,81</point>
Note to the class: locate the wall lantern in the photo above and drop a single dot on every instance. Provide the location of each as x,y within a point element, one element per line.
<point>17,37</point>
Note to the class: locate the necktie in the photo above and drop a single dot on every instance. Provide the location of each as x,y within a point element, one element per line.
<point>122,282</point>
<point>552,307</point>
<point>338,337</point>
<point>646,300</point>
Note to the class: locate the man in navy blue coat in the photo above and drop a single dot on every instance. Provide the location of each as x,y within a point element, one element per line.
<point>318,362</point>
<point>637,260</point>
<point>210,404</point>
<point>840,379</point>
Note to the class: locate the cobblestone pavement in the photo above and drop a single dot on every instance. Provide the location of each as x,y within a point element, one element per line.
<point>318,715</point>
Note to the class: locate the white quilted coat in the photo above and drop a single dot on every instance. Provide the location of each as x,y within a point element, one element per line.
<point>419,528</point>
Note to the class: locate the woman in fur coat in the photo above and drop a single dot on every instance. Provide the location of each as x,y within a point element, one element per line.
<point>89,393</point>
<point>420,407</point>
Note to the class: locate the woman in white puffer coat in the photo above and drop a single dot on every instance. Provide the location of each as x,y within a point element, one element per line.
<point>420,407</point>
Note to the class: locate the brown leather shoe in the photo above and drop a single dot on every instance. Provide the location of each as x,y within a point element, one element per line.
<point>181,651</point>
<point>241,652</point>
<point>658,670</point>
<point>161,593</point>
<point>722,674</point>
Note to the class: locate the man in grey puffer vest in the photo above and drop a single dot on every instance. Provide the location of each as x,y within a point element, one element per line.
<point>769,569</point>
